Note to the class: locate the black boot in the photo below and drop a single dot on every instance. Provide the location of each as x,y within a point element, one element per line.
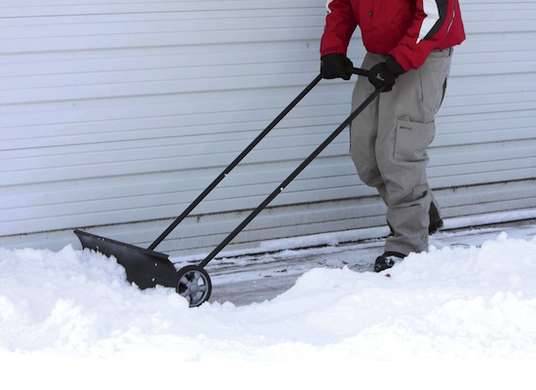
<point>436,222</point>
<point>387,260</point>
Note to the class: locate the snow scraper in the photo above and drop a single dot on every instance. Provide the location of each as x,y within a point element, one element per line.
<point>148,268</point>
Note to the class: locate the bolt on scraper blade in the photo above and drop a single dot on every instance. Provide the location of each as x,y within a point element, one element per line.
<point>145,268</point>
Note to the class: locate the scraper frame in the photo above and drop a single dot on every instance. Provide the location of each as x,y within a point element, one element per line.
<point>148,268</point>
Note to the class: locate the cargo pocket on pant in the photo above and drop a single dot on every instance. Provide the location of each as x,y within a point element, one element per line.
<point>411,140</point>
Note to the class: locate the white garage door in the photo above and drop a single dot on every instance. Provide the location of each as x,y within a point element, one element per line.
<point>114,115</point>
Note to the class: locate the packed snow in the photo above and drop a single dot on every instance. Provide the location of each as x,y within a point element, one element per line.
<point>451,303</point>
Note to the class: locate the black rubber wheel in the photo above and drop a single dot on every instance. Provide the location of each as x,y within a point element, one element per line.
<point>194,284</point>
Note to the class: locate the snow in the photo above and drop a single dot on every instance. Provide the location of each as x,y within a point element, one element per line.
<point>457,304</point>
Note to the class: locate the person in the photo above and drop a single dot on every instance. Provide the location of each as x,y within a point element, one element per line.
<point>409,50</point>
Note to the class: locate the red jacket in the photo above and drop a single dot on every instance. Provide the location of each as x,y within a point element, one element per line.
<point>408,30</point>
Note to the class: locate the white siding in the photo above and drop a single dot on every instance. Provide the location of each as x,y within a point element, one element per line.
<point>115,116</point>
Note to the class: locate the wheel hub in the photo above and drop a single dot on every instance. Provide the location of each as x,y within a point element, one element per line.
<point>194,284</point>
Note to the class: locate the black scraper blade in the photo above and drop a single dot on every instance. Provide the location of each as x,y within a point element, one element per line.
<point>145,268</point>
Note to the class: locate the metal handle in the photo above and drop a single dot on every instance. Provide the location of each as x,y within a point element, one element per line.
<point>234,163</point>
<point>360,72</point>
<point>241,156</point>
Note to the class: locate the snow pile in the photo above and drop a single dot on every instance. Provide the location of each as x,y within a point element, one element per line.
<point>449,303</point>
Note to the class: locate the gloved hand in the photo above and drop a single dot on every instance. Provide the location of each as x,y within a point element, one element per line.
<point>384,74</point>
<point>334,66</point>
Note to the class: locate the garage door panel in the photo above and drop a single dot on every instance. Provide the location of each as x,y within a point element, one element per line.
<point>115,115</point>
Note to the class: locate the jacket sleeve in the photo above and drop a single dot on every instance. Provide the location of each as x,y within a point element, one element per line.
<point>339,27</point>
<point>432,22</point>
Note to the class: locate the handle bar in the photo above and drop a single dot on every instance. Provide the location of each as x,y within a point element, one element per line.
<point>360,72</point>
<point>236,161</point>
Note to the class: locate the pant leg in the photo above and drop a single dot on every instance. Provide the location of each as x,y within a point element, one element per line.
<point>363,130</point>
<point>406,126</point>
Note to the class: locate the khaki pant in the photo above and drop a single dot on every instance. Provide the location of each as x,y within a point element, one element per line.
<point>389,141</point>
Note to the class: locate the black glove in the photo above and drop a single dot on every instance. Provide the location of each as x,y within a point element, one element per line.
<point>383,75</point>
<point>334,66</point>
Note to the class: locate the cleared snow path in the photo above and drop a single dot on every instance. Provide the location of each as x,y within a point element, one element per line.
<point>244,280</point>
